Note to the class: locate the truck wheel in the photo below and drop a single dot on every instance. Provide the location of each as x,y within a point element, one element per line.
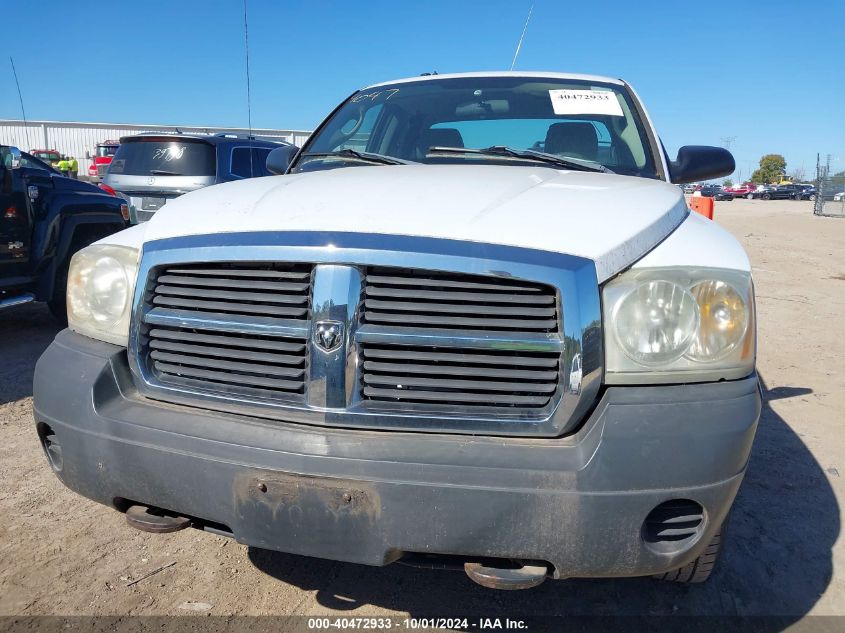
<point>58,302</point>
<point>750,196</point>
<point>700,569</point>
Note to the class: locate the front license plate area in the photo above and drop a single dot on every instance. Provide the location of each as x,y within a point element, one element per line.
<point>314,516</point>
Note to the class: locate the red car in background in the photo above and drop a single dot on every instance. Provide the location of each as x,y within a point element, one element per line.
<point>49,156</point>
<point>745,190</point>
<point>100,160</point>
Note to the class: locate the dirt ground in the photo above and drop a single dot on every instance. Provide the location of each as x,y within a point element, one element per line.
<point>61,554</point>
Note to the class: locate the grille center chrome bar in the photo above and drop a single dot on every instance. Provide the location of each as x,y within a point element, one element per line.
<point>334,300</point>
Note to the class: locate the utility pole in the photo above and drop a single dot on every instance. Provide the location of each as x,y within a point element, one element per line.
<point>727,141</point>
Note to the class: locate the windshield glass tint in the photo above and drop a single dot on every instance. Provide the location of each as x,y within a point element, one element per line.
<point>163,158</point>
<point>587,121</point>
<point>106,150</point>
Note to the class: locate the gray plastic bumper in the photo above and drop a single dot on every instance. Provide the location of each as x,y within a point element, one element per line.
<point>578,501</point>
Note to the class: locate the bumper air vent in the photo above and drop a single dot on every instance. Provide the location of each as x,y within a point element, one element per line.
<point>673,525</point>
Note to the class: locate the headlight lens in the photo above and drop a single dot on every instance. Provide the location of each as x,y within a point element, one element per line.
<point>723,319</point>
<point>678,325</point>
<point>101,281</point>
<point>655,322</point>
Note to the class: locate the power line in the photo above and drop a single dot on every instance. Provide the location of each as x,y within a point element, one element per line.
<point>522,37</point>
<point>20,98</point>
<point>248,95</point>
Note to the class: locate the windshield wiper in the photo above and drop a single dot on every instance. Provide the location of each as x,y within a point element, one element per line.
<point>164,172</point>
<point>367,157</point>
<point>525,154</point>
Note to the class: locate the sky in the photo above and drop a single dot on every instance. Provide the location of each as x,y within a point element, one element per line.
<point>767,77</point>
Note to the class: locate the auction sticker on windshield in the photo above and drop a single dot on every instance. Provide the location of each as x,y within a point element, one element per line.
<point>568,101</point>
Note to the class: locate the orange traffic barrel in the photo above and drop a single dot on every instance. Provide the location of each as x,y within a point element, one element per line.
<point>702,205</point>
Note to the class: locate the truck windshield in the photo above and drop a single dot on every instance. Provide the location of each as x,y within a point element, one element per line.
<point>106,150</point>
<point>163,157</point>
<point>593,123</point>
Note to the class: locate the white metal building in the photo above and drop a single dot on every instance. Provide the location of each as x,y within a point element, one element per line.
<point>75,139</point>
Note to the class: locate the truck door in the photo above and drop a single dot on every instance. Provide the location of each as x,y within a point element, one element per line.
<point>15,227</point>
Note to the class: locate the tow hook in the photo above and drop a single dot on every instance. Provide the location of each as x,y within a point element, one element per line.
<point>155,520</point>
<point>523,577</point>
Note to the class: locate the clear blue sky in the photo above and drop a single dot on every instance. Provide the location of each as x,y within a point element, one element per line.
<point>771,73</point>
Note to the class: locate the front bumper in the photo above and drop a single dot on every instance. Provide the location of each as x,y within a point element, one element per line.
<point>577,502</point>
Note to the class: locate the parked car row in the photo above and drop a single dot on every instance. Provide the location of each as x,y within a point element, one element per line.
<point>751,191</point>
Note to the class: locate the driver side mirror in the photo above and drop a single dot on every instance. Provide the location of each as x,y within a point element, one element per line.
<point>279,159</point>
<point>700,162</point>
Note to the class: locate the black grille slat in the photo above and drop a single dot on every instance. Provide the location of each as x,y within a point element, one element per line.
<point>454,322</point>
<point>229,377</point>
<point>484,399</point>
<point>483,298</point>
<point>223,339</point>
<point>447,283</point>
<point>468,378</point>
<point>222,306</point>
<point>226,352</point>
<point>457,370</point>
<point>215,343</point>
<point>229,295</point>
<point>240,272</point>
<point>457,301</point>
<point>405,354</point>
<point>453,384</point>
<point>247,368</point>
<point>219,282</point>
<point>457,308</point>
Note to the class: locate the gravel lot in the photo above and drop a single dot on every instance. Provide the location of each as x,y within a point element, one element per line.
<point>61,554</point>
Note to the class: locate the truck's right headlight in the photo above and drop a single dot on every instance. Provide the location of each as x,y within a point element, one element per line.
<point>101,281</point>
<point>678,325</point>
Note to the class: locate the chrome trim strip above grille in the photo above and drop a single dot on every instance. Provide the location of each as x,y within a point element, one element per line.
<point>481,340</point>
<point>218,322</point>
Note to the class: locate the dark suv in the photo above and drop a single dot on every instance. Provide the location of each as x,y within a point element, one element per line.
<point>150,169</point>
<point>44,219</point>
<point>782,192</point>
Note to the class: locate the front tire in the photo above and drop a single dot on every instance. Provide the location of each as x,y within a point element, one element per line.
<point>700,569</point>
<point>750,196</point>
<point>766,196</point>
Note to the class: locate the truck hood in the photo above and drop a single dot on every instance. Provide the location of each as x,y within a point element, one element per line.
<point>613,220</point>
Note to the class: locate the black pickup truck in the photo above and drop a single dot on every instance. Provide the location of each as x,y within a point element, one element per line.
<point>44,219</point>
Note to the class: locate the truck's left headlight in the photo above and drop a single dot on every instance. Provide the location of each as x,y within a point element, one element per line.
<point>100,284</point>
<point>678,325</point>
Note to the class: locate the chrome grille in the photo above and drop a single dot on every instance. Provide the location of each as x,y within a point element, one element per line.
<point>463,304</point>
<point>234,322</point>
<point>469,376</point>
<point>230,328</point>
<point>454,301</point>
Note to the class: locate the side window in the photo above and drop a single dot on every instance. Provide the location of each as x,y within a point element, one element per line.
<point>243,167</point>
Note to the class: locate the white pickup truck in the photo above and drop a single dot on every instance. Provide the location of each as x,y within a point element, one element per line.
<point>470,323</point>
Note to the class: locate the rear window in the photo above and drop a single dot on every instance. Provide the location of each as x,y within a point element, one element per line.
<point>245,167</point>
<point>164,157</point>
